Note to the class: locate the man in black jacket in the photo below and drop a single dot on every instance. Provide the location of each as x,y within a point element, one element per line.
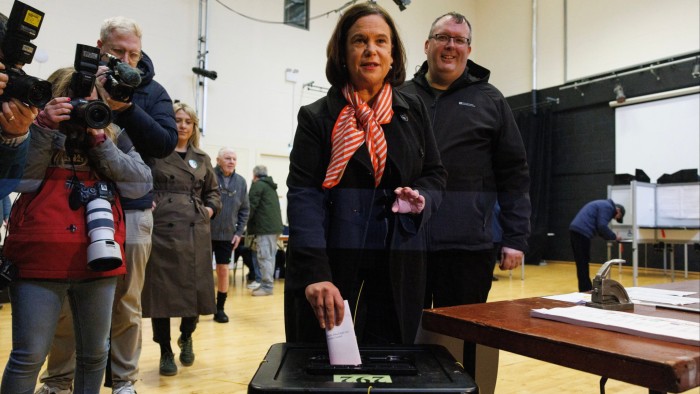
<point>149,122</point>
<point>481,148</point>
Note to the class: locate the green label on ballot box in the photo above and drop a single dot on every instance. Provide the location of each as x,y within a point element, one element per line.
<point>361,378</point>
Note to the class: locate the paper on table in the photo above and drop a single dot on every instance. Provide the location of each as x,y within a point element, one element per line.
<point>659,296</point>
<point>576,298</point>
<point>342,342</point>
<point>672,330</point>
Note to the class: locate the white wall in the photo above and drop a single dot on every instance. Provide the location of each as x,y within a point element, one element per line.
<point>252,108</point>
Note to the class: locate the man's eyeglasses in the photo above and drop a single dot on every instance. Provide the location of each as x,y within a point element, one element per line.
<point>443,39</point>
<point>134,57</point>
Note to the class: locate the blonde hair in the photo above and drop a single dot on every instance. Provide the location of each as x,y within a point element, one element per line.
<point>120,24</point>
<point>194,138</point>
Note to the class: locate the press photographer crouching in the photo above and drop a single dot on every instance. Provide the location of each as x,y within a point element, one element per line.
<point>69,204</point>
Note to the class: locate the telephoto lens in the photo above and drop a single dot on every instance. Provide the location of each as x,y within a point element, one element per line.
<point>103,253</point>
<point>94,114</point>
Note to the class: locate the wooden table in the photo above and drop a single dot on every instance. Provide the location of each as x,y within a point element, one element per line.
<point>658,365</point>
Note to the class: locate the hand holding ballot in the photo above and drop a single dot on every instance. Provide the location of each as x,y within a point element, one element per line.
<point>342,342</point>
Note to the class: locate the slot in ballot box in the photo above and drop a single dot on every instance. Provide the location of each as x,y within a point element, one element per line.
<point>296,368</point>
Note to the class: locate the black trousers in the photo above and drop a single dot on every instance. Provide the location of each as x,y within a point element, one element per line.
<point>581,245</point>
<point>161,328</point>
<point>458,277</point>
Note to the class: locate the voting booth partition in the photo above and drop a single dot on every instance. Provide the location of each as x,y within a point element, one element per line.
<point>658,213</point>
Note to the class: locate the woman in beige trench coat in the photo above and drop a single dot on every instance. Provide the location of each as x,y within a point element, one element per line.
<point>179,280</point>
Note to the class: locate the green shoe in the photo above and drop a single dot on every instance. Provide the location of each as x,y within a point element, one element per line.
<point>186,353</point>
<point>167,364</point>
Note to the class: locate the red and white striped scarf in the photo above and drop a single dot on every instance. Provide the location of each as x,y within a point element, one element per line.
<point>347,137</point>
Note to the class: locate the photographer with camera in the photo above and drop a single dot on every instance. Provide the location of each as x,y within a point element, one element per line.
<point>14,127</point>
<point>67,232</point>
<point>149,121</point>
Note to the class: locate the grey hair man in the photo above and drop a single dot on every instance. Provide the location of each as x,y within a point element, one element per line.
<point>227,227</point>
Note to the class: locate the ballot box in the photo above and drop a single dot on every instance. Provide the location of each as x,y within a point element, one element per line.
<point>296,368</point>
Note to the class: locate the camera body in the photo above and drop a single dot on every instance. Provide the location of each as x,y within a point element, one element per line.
<point>88,113</point>
<point>85,194</point>
<point>23,26</point>
<point>103,252</point>
<point>117,85</point>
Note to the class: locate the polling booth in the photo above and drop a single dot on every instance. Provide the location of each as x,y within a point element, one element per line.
<point>667,213</point>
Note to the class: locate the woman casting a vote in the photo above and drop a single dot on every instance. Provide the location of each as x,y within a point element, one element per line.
<point>364,177</point>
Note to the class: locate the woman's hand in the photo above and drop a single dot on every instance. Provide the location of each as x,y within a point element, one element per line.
<point>56,111</point>
<point>327,303</point>
<point>408,201</point>
<point>16,118</point>
<point>210,212</point>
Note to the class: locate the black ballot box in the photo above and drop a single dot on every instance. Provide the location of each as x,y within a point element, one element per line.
<point>302,368</point>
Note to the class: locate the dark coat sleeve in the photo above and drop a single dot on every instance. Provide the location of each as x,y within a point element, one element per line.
<point>512,181</point>
<point>150,123</point>
<point>12,160</point>
<point>307,209</point>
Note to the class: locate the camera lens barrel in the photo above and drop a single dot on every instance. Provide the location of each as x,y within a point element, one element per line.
<point>103,253</point>
<point>27,89</point>
<point>94,114</point>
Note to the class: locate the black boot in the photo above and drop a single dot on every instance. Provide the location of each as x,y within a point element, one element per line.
<point>167,361</point>
<point>220,315</point>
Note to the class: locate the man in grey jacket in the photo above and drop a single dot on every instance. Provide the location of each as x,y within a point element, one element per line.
<point>227,227</point>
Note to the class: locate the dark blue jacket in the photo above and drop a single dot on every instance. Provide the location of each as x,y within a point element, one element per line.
<point>150,124</point>
<point>593,219</point>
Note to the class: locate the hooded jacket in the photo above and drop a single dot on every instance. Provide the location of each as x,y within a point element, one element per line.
<point>265,214</point>
<point>483,152</point>
<point>150,124</point>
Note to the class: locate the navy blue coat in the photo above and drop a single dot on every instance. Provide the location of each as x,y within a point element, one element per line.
<point>149,123</point>
<point>593,219</point>
<point>328,229</point>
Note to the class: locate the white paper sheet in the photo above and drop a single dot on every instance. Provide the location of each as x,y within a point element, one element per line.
<point>672,330</point>
<point>342,342</point>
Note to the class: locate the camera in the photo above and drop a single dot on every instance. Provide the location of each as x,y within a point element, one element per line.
<point>22,27</point>
<point>103,253</point>
<point>8,272</point>
<point>122,79</point>
<point>90,113</point>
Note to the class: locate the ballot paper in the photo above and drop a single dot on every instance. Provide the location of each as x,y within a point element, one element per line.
<point>342,342</point>
<point>661,296</point>
<point>672,330</point>
<point>576,298</point>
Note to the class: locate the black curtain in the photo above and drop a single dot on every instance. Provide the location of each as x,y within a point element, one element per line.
<point>536,127</point>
